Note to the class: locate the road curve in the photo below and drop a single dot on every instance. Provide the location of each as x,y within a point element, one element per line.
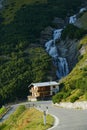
<point>69,119</point>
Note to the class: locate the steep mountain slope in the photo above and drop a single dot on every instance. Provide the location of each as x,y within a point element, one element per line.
<point>22,59</point>
<point>74,86</point>
<point>11,7</point>
<point>82,21</point>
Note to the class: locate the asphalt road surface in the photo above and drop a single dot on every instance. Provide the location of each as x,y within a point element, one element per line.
<point>69,119</point>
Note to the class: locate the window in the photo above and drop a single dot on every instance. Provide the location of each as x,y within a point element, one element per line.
<point>54,86</point>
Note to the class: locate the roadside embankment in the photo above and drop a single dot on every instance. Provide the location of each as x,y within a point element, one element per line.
<point>4,113</point>
<point>75,105</point>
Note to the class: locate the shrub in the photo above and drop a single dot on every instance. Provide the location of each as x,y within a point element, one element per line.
<point>80,93</point>
<point>74,98</point>
<point>61,86</point>
<point>72,32</point>
<point>80,57</point>
<point>2,110</point>
<point>57,98</point>
<point>67,94</point>
<point>86,95</point>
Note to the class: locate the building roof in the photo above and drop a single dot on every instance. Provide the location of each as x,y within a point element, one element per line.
<point>44,84</point>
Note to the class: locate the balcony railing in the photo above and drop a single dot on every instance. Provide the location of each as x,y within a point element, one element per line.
<point>40,90</point>
<point>43,94</point>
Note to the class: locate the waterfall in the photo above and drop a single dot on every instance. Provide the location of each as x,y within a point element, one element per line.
<point>62,67</point>
<point>60,62</point>
<point>82,10</point>
<point>51,48</point>
<point>1,5</point>
<point>57,34</point>
<point>72,19</point>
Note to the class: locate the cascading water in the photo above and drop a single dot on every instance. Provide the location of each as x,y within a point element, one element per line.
<point>57,34</point>
<point>60,63</point>
<point>82,10</point>
<point>73,18</point>
<point>62,67</point>
<point>1,4</point>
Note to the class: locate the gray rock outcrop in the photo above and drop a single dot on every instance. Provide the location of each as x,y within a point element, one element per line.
<point>46,35</point>
<point>83,50</point>
<point>69,50</point>
<point>75,105</point>
<point>58,22</point>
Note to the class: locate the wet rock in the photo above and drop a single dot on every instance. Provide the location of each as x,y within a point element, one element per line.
<point>58,22</point>
<point>83,50</point>
<point>46,35</point>
<point>69,50</point>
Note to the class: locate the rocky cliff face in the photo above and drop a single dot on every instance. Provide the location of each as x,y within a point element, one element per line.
<point>58,22</point>
<point>66,48</point>
<point>69,50</point>
<point>82,21</point>
<point>83,50</point>
<point>46,35</point>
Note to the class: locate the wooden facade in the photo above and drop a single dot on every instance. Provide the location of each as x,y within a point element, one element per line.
<point>43,90</point>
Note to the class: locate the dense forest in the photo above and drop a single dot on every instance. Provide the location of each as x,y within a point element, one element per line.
<point>22,59</point>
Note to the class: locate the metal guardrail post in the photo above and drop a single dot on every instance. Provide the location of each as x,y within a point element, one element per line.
<point>44,117</point>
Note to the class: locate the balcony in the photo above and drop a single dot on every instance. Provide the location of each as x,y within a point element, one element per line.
<point>43,94</point>
<point>40,89</point>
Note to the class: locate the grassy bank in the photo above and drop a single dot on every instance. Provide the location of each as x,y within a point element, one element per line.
<point>3,111</point>
<point>26,119</point>
<point>74,86</point>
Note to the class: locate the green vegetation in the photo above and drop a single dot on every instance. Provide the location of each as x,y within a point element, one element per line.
<point>24,118</point>
<point>22,59</point>
<point>11,7</point>
<point>53,7</point>
<point>82,21</point>
<point>75,84</point>
<point>73,32</point>
<point>2,110</point>
<point>20,70</point>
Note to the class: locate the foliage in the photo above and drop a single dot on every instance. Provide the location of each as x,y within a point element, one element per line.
<point>83,41</point>
<point>86,95</point>
<point>73,32</point>
<point>57,98</point>
<point>27,119</point>
<point>2,110</point>
<point>74,98</point>
<point>21,62</point>
<point>53,7</point>
<point>75,84</point>
<point>20,71</point>
<point>12,120</point>
<point>82,21</point>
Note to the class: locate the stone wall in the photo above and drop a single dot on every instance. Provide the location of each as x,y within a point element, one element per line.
<point>75,105</point>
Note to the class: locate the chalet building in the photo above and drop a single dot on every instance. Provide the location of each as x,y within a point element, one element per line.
<point>43,90</point>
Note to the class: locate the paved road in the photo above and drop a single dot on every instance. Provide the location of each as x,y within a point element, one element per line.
<point>69,119</point>
<point>8,113</point>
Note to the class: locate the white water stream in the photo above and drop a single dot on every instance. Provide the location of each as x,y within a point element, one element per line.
<point>60,62</point>
<point>1,5</point>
